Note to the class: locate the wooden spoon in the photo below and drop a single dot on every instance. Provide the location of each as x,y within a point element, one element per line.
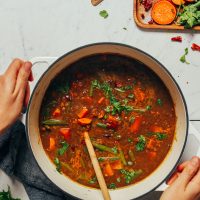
<point>97,168</point>
<point>96,2</point>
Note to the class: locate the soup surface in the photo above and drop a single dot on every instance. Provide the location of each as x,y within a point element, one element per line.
<point>127,111</point>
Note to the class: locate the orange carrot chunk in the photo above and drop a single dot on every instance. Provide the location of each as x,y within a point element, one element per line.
<point>116,164</point>
<point>136,125</point>
<point>56,112</point>
<point>65,132</point>
<point>163,12</point>
<point>101,100</point>
<point>83,113</point>
<point>52,144</point>
<point>84,121</point>
<point>108,170</point>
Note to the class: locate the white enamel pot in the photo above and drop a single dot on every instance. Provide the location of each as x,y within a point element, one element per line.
<point>130,192</point>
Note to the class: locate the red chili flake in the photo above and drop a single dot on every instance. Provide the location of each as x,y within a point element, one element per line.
<point>177,39</point>
<point>195,47</point>
<point>150,22</point>
<point>147,4</point>
<point>142,15</point>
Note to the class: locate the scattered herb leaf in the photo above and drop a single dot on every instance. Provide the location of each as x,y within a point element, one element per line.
<point>103,14</point>
<point>183,57</point>
<point>159,136</point>
<point>112,186</point>
<point>159,102</point>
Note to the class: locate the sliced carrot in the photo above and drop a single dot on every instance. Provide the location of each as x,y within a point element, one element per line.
<point>178,2</point>
<point>163,12</point>
<point>101,100</point>
<point>65,132</point>
<point>56,112</point>
<point>136,124</point>
<point>83,113</point>
<point>52,144</point>
<point>116,164</point>
<point>156,129</point>
<point>108,170</point>
<point>84,121</point>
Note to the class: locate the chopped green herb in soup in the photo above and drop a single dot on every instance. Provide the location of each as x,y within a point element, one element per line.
<point>127,111</point>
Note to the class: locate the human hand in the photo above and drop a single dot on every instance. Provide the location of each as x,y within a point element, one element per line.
<point>185,182</point>
<point>15,92</point>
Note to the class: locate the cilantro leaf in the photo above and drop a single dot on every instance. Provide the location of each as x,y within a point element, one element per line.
<point>159,102</point>
<point>112,186</point>
<point>183,57</point>
<point>103,14</point>
<point>141,143</point>
<point>129,176</point>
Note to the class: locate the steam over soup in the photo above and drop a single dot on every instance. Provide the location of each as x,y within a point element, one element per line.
<point>127,111</point>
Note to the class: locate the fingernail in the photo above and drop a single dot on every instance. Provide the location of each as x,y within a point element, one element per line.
<point>27,66</point>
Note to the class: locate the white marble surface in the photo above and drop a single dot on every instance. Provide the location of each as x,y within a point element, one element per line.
<point>53,27</point>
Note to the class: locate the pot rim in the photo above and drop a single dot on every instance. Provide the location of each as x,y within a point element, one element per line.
<point>123,45</point>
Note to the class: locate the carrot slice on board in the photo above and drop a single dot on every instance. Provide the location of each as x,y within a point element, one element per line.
<point>163,12</point>
<point>178,2</point>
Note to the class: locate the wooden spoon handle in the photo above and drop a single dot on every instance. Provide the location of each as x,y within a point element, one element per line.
<point>96,2</point>
<point>97,168</point>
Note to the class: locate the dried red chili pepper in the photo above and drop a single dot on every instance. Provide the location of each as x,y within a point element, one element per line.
<point>195,47</point>
<point>147,4</point>
<point>142,15</point>
<point>150,22</point>
<point>177,39</point>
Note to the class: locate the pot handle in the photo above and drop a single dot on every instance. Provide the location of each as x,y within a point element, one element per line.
<point>39,66</point>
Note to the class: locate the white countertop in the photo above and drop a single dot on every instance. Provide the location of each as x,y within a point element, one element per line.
<point>51,28</point>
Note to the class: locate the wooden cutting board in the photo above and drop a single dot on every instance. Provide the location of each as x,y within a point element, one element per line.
<point>142,19</point>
